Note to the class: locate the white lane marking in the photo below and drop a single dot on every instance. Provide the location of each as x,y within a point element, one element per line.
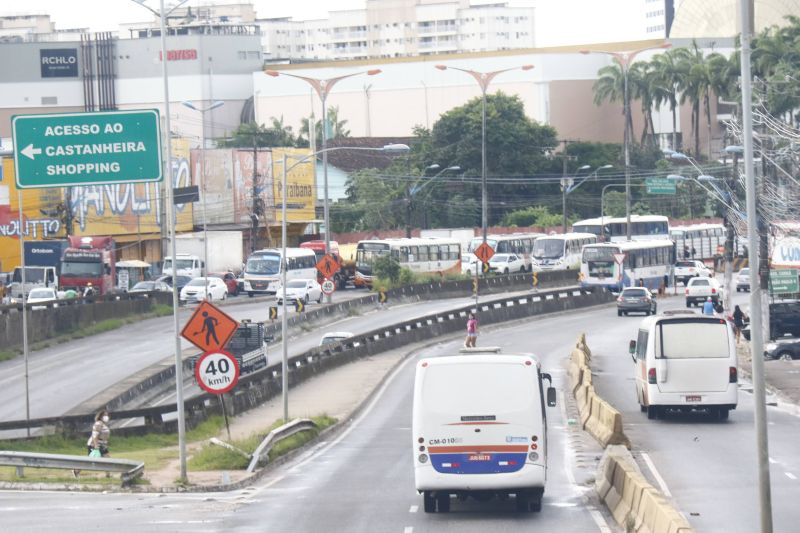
<point>408,529</point>
<point>354,425</point>
<point>790,475</point>
<point>599,520</point>
<point>413,509</point>
<point>653,470</point>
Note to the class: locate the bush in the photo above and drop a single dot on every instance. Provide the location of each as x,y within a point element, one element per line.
<point>387,268</point>
<point>406,276</point>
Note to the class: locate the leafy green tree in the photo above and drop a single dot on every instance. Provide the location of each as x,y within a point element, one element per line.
<point>250,134</point>
<point>385,267</point>
<point>532,216</point>
<point>336,128</point>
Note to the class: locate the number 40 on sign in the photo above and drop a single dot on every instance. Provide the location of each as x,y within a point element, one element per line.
<point>217,372</point>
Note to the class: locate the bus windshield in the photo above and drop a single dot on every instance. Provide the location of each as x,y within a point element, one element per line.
<point>32,275</point>
<point>368,252</point>
<point>604,253</point>
<point>548,248</point>
<point>265,264</point>
<point>79,269</point>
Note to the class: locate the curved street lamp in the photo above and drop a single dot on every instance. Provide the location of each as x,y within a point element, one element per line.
<point>624,59</point>
<point>484,79</point>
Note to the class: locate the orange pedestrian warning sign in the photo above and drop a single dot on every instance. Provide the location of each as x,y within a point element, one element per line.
<point>328,266</point>
<point>484,252</point>
<point>209,328</point>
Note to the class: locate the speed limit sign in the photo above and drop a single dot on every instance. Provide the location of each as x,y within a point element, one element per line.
<point>328,286</point>
<point>217,372</point>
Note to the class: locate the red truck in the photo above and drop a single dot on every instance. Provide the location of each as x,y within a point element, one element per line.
<point>89,260</point>
<point>340,278</point>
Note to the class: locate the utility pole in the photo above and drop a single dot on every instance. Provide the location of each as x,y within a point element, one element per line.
<point>565,182</point>
<point>729,251</point>
<point>254,217</point>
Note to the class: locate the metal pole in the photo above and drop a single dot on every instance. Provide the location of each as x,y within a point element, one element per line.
<point>284,264</point>
<point>25,349</point>
<point>484,202</point>
<point>203,181</point>
<point>627,106</point>
<point>564,201</point>
<point>756,332</point>
<point>323,96</point>
<point>173,250</point>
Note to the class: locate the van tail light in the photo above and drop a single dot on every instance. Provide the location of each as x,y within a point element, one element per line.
<point>733,375</point>
<point>651,376</point>
<point>713,290</point>
<point>687,292</point>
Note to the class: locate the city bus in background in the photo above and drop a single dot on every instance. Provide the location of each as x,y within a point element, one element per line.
<point>698,241</point>
<point>318,246</point>
<point>509,243</point>
<point>262,271</point>
<point>615,229</point>
<point>560,251</point>
<point>644,263</point>
<point>421,256</point>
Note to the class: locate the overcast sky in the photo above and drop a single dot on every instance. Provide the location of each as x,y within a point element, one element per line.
<point>106,15</point>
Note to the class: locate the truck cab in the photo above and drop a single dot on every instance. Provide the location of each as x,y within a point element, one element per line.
<point>186,265</point>
<point>35,277</point>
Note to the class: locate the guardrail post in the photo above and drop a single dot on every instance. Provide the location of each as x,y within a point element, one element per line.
<point>20,471</point>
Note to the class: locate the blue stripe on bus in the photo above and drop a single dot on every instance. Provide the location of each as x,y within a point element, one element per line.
<point>460,463</point>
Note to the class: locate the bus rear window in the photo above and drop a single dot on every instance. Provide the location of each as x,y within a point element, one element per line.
<point>694,339</point>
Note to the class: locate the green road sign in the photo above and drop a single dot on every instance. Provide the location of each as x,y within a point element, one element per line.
<point>784,281</point>
<point>67,149</point>
<point>659,186</point>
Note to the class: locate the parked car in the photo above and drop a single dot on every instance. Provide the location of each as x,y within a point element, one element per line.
<point>150,286</point>
<point>506,263</point>
<point>784,317</point>
<point>686,270</point>
<point>783,349</point>
<point>301,289</point>
<point>699,289</point>
<point>334,336</point>
<point>743,280</point>
<point>42,295</point>
<point>195,290</point>
<point>182,281</point>
<point>230,282</point>
<point>636,300</point>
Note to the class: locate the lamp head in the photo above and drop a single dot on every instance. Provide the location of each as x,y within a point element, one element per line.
<point>441,67</point>
<point>584,167</point>
<point>584,52</point>
<point>189,105</point>
<point>733,149</point>
<point>454,168</point>
<point>218,103</point>
<point>606,166</point>
<point>706,177</point>
<point>374,71</point>
<point>676,177</point>
<point>273,73</point>
<point>434,166</point>
<point>396,148</point>
<point>527,67</point>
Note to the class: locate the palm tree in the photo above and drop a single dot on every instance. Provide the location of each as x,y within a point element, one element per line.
<point>666,80</point>
<point>336,129</point>
<point>610,87</point>
<point>640,76</point>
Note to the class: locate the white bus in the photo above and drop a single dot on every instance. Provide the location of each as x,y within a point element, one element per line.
<point>698,241</point>
<point>615,229</point>
<point>479,428</point>
<point>520,244</point>
<point>685,363</point>
<point>262,272</point>
<point>423,256</point>
<point>560,252</point>
<point>643,263</point>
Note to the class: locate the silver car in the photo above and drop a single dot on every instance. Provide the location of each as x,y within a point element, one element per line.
<point>636,300</point>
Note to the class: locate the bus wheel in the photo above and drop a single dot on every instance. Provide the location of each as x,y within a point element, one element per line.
<point>536,505</point>
<point>522,502</point>
<point>722,413</point>
<point>429,502</point>
<point>443,502</point>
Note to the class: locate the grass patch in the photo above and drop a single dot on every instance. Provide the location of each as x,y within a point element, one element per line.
<point>155,450</point>
<point>5,355</point>
<point>211,457</point>
<point>98,327</point>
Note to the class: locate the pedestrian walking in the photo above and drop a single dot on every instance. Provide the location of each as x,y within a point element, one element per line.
<point>708,307</point>
<point>738,322</point>
<point>97,445</point>
<point>472,331</point>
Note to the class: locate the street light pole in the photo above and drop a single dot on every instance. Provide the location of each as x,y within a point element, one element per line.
<point>389,149</point>
<point>624,59</point>
<point>323,88</point>
<point>484,79</point>
<point>203,111</point>
<point>170,215</point>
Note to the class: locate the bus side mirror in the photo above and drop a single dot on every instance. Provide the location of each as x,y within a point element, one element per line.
<point>551,396</point>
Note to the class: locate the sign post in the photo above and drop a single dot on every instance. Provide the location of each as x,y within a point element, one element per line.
<point>218,372</point>
<point>62,150</point>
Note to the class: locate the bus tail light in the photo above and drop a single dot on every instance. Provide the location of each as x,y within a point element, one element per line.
<point>733,375</point>
<point>651,376</point>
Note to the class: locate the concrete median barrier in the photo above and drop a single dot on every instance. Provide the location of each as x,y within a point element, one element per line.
<point>632,500</point>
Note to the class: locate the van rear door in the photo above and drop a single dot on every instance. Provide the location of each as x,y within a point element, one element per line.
<point>695,355</point>
<point>478,418</point>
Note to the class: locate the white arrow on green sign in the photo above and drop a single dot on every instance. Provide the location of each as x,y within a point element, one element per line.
<point>61,150</point>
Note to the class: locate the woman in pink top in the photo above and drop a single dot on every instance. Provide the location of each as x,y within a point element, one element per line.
<point>472,331</point>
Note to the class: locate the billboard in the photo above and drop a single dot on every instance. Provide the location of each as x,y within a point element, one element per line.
<point>300,185</point>
<point>41,217</point>
<point>59,62</point>
<point>131,208</point>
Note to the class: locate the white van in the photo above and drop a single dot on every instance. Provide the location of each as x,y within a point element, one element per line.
<point>685,362</point>
<point>480,429</point>
<point>186,264</point>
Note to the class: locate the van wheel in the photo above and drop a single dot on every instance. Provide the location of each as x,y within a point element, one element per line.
<point>652,412</point>
<point>250,294</point>
<point>688,304</point>
<point>428,502</point>
<point>443,502</point>
<point>536,505</point>
<point>642,408</point>
<point>722,413</point>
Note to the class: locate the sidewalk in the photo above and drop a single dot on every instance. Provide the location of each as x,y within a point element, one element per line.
<point>336,393</point>
<point>782,377</point>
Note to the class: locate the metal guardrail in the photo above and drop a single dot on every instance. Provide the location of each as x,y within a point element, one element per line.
<point>261,454</point>
<point>128,470</point>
